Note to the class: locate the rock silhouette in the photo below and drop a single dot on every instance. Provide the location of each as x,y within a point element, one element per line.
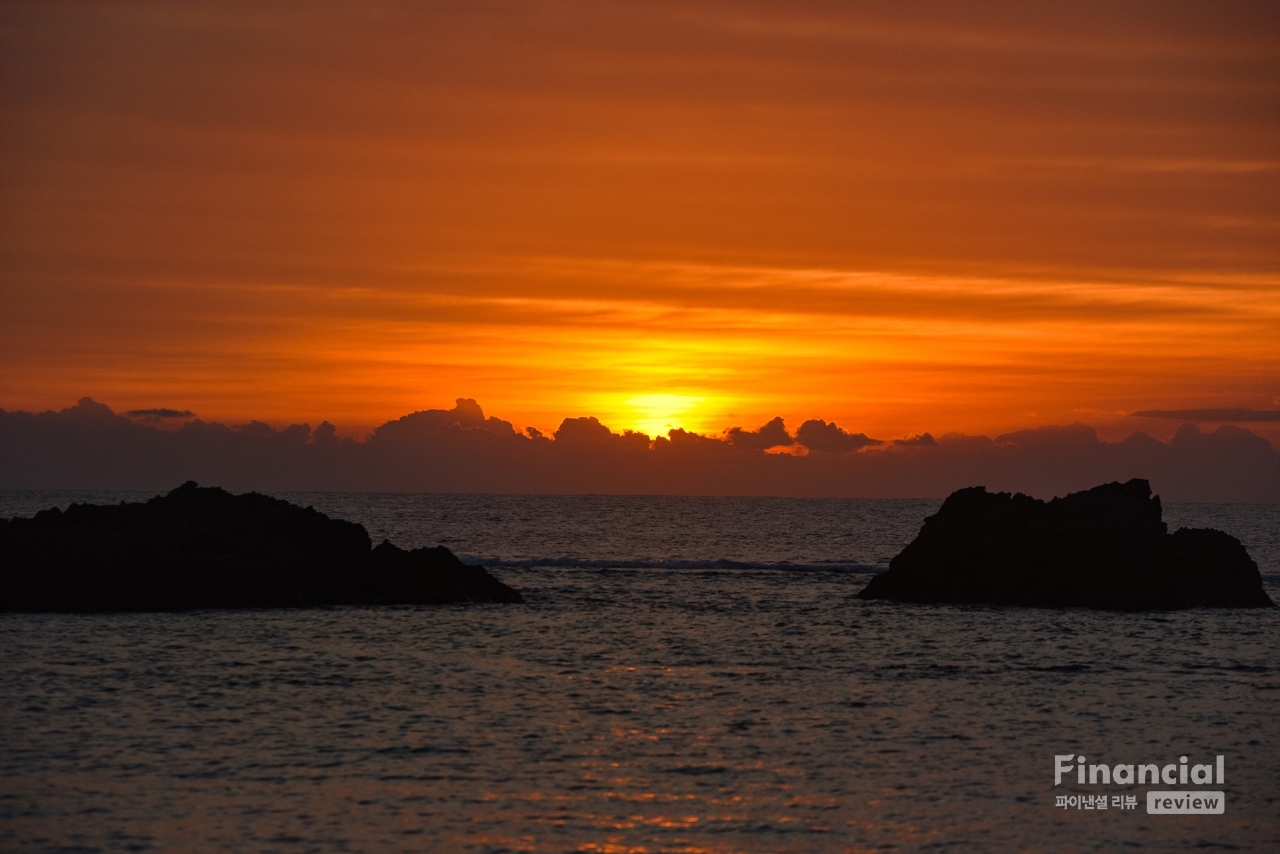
<point>206,548</point>
<point>1106,547</point>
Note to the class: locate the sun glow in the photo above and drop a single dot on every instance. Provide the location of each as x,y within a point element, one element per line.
<point>688,246</point>
<point>655,414</point>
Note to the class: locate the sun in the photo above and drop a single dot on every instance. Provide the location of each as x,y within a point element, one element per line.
<point>655,414</point>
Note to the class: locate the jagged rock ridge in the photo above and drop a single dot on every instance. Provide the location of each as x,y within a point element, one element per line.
<point>1107,547</point>
<point>206,548</point>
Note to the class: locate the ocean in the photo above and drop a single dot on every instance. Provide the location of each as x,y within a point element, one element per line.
<point>687,675</point>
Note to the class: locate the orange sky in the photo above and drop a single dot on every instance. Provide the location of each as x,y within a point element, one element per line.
<point>901,217</point>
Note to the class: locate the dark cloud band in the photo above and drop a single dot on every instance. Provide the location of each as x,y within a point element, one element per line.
<point>1225,415</point>
<point>461,450</point>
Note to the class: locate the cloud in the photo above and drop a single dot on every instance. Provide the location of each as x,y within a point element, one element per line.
<point>1052,437</point>
<point>466,414</point>
<point>817,435</point>
<point>772,435</point>
<point>1246,415</point>
<point>919,439</point>
<point>88,446</point>
<point>156,414</point>
<point>583,430</point>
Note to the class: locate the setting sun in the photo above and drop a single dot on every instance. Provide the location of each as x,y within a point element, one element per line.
<point>655,414</point>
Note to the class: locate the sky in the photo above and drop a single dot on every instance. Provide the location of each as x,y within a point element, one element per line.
<point>973,218</point>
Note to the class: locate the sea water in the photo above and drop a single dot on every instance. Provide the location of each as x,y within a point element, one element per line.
<point>688,674</point>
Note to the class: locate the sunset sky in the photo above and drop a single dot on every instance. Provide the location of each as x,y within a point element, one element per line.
<point>901,216</point>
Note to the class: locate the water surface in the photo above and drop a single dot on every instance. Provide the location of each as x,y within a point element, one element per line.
<point>645,698</point>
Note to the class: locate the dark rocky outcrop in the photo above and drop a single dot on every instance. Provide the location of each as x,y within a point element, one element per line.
<point>206,548</point>
<point>1107,547</point>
